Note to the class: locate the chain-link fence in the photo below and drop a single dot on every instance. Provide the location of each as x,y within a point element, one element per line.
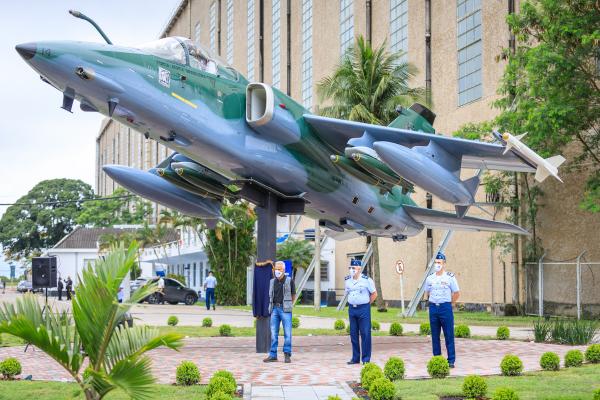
<point>568,288</point>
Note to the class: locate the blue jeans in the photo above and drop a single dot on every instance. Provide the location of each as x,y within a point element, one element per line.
<point>441,317</point>
<point>210,294</point>
<point>277,316</point>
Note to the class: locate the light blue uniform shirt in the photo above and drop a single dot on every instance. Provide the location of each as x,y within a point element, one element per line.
<point>440,288</point>
<point>211,282</point>
<point>359,291</point>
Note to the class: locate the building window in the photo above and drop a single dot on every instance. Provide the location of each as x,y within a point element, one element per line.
<point>399,27</point>
<point>468,13</point>
<point>197,33</point>
<point>230,32</point>
<point>213,26</point>
<point>346,25</point>
<point>276,62</point>
<point>307,53</point>
<point>250,38</point>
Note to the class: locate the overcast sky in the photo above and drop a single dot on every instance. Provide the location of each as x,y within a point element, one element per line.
<point>38,140</point>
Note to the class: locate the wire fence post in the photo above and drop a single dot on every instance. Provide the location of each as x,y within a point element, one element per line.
<point>541,285</point>
<point>579,284</point>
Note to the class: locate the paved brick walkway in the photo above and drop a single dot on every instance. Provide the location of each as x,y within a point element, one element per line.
<point>316,360</point>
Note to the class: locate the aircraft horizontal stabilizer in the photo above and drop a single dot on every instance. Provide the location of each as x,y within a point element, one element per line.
<point>444,220</point>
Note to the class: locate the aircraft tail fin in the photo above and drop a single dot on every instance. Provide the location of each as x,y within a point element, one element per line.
<point>461,210</point>
<point>541,174</point>
<point>472,184</point>
<point>556,161</point>
<point>445,220</point>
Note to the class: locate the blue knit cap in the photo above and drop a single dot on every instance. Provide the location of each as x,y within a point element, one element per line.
<point>440,256</point>
<point>355,263</point>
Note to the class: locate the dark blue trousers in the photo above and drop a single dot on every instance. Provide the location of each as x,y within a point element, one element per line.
<point>210,297</point>
<point>441,317</point>
<point>360,322</point>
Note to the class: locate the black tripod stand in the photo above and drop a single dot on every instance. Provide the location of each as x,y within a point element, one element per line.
<point>43,314</point>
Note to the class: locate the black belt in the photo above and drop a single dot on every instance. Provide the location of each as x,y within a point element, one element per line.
<point>277,305</point>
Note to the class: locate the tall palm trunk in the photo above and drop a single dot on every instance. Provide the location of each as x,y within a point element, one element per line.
<point>379,301</point>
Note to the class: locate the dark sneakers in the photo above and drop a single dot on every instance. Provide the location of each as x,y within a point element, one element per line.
<point>270,359</point>
<point>353,362</point>
<point>288,358</point>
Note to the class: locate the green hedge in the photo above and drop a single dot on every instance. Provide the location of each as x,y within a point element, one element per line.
<point>462,331</point>
<point>339,325</point>
<point>172,320</point>
<point>505,394</point>
<point>396,329</point>
<point>207,322</point>
<point>592,354</point>
<point>573,358</point>
<point>503,333</point>
<point>550,361</point>
<point>474,386</point>
<point>438,367</point>
<point>425,329</point>
<point>225,330</point>
<point>394,368</point>
<point>187,374</point>
<point>511,365</point>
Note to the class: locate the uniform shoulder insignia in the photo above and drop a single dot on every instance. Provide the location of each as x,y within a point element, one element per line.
<point>365,276</point>
<point>450,274</point>
<point>347,277</point>
<point>431,273</point>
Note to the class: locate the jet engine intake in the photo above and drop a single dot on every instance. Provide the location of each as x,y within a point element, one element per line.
<point>269,117</point>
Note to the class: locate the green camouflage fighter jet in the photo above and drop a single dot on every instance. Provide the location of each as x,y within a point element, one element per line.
<point>236,139</point>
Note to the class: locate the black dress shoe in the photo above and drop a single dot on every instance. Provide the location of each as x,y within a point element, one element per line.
<point>451,365</point>
<point>352,362</point>
<point>288,358</point>
<point>270,359</point>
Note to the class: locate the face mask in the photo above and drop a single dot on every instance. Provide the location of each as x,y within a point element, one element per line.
<point>352,271</point>
<point>278,273</point>
<point>437,267</point>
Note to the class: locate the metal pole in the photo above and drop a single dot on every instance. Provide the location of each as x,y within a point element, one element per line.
<point>579,284</point>
<point>402,293</point>
<point>541,285</point>
<point>317,277</point>
<point>492,278</point>
<point>309,270</point>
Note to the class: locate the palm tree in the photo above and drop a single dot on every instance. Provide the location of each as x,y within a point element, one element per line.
<point>367,86</point>
<point>299,251</point>
<point>116,352</point>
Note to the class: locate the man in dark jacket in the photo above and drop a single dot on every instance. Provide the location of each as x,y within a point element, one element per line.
<point>69,287</point>
<point>60,288</point>
<point>282,293</point>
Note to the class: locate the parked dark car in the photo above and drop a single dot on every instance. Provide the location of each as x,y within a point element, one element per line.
<point>174,293</point>
<point>26,286</point>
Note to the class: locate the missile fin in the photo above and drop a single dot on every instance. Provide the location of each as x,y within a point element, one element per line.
<point>556,161</point>
<point>541,174</point>
<point>472,184</point>
<point>519,137</point>
<point>461,211</point>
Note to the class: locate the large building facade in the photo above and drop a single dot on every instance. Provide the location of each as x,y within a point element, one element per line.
<point>455,47</point>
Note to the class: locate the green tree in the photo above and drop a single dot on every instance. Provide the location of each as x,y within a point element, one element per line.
<point>551,85</point>
<point>299,251</point>
<point>115,352</point>
<point>230,251</point>
<point>42,217</point>
<point>115,211</point>
<point>367,86</point>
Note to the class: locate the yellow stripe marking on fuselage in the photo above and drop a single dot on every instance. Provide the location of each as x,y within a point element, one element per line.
<point>186,101</point>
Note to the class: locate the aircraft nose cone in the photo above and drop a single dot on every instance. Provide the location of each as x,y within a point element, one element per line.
<point>26,50</point>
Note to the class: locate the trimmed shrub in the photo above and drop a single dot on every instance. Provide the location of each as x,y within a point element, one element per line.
<point>396,329</point>
<point>187,374</point>
<point>225,330</point>
<point>511,365</point>
<point>438,367</point>
<point>550,361</point>
<point>295,322</point>
<point>474,386</point>
<point>336,397</point>
<point>505,394</point>
<point>219,384</point>
<point>462,331</point>
<point>592,354</point>
<point>425,329</point>
<point>348,329</point>
<point>573,358</point>
<point>375,325</point>
<point>597,394</point>
<point>207,322</point>
<point>221,396</point>
<point>173,320</point>
<point>227,375</point>
<point>10,367</point>
<point>369,373</point>
<point>382,389</point>
<point>394,369</point>
<point>502,333</point>
<point>339,325</point>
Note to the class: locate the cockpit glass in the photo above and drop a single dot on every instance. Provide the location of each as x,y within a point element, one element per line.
<point>184,51</point>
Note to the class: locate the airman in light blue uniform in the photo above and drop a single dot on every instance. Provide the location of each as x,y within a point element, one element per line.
<point>361,293</point>
<point>443,291</point>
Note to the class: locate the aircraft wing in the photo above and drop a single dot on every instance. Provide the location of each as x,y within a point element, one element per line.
<point>340,134</point>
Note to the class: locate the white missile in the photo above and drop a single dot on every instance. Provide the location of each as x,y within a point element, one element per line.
<point>545,167</point>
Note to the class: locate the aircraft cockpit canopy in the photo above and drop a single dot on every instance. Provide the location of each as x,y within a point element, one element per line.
<point>184,51</point>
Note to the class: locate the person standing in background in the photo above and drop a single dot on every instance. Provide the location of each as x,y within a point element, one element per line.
<point>59,287</point>
<point>209,286</point>
<point>69,287</point>
<point>160,285</point>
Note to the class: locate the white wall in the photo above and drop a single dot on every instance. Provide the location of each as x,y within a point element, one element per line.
<point>70,262</point>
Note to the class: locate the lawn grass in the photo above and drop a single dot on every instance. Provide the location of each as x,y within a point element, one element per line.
<point>43,390</point>
<point>479,318</point>
<point>566,384</point>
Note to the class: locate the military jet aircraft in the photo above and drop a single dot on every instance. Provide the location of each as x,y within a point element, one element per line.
<point>235,139</point>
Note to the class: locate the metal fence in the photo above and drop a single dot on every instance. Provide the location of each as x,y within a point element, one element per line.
<point>568,288</point>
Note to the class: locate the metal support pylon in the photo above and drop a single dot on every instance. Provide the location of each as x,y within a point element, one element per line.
<point>309,270</point>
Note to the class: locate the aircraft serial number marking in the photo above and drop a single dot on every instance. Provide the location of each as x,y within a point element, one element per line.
<point>186,101</point>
